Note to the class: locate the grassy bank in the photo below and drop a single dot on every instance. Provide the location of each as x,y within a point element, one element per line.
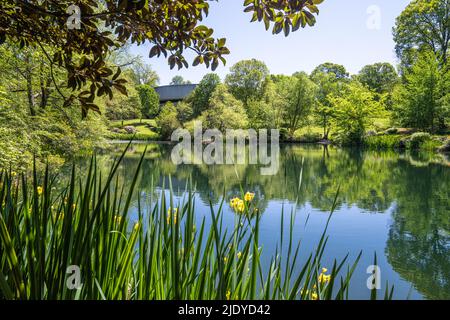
<point>162,255</point>
<point>415,141</point>
<point>140,129</point>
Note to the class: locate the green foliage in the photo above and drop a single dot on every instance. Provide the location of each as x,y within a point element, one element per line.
<point>178,80</point>
<point>423,26</point>
<point>336,70</point>
<point>225,111</point>
<point>383,142</point>
<point>149,100</point>
<point>328,85</point>
<point>247,80</point>
<point>152,136</point>
<point>261,114</point>
<point>421,102</point>
<point>301,99</point>
<point>184,111</point>
<point>167,120</point>
<point>352,113</point>
<point>379,77</point>
<point>15,141</point>
<point>123,107</point>
<point>33,118</point>
<point>142,73</point>
<point>203,92</point>
<point>418,139</point>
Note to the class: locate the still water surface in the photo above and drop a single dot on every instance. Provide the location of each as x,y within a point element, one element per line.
<point>397,205</point>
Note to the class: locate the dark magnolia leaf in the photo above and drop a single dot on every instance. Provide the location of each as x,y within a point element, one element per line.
<point>101,91</point>
<point>214,64</point>
<point>266,22</point>
<point>109,92</point>
<point>119,71</point>
<point>121,89</point>
<point>221,42</point>
<point>154,51</point>
<point>196,61</point>
<point>286,27</point>
<point>248,9</point>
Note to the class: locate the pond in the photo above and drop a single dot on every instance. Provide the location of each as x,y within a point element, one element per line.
<point>395,205</point>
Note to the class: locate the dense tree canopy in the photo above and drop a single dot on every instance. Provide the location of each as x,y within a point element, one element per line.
<point>247,80</point>
<point>379,77</point>
<point>423,101</point>
<point>337,70</point>
<point>301,99</point>
<point>202,93</point>
<point>170,27</point>
<point>353,111</point>
<point>328,85</point>
<point>423,25</point>
<point>225,111</point>
<point>149,99</point>
<point>177,80</point>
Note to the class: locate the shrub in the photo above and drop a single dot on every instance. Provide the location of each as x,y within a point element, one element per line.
<point>417,139</point>
<point>445,147</point>
<point>167,120</point>
<point>138,136</point>
<point>184,111</point>
<point>203,92</point>
<point>149,100</point>
<point>225,111</point>
<point>382,142</point>
<point>309,137</point>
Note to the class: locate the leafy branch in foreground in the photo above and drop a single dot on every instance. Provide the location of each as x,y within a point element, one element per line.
<point>168,253</point>
<point>170,27</point>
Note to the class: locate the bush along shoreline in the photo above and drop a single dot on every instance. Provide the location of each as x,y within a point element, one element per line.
<point>392,140</point>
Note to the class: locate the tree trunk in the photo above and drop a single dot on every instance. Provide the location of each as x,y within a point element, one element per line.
<point>28,76</point>
<point>45,86</point>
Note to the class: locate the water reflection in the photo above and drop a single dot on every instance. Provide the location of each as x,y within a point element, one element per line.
<point>411,189</point>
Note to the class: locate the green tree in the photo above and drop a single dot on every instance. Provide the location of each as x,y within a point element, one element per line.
<point>423,25</point>
<point>171,27</point>
<point>143,73</point>
<point>225,111</point>
<point>261,115</point>
<point>184,111</point>
<point>177,80</point>
<point>122,107</point>
<point>379,77</point>
<point>352,112</point>
<point>301,100</point>
<point>149,99</point>
<point>328,85</point>
<point>422,101</point>
<point>337,70</point>
<point>167,120</point>
<point>247,80</point>
<point>202,93</point>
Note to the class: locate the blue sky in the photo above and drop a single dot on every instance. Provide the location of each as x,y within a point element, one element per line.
<point>341,35</point>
